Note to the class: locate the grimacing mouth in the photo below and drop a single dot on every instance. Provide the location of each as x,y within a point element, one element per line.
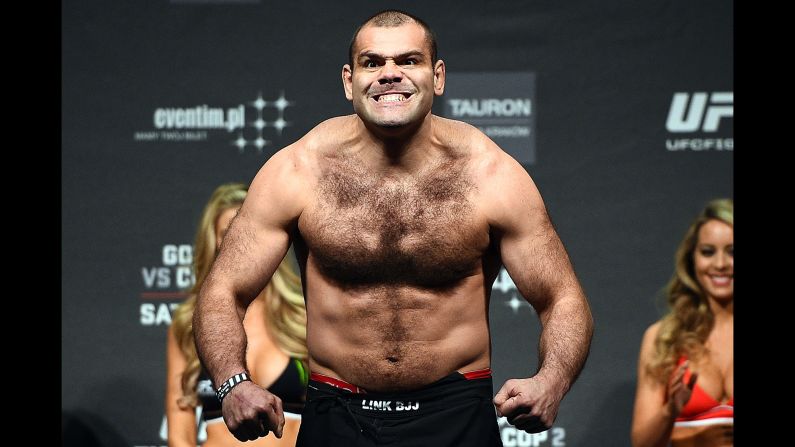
<point>406,95</point>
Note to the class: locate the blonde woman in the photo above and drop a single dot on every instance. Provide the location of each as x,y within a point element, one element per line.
<point>685,392</point>
<point>275,325</point>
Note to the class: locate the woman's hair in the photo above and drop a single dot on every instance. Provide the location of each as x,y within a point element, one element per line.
<point>684,329</point>
<point>285,313</point>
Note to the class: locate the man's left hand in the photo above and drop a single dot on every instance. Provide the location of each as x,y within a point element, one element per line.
<point>529,404</point>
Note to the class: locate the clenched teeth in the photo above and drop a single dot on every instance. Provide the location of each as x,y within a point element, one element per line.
<point>391,98</point>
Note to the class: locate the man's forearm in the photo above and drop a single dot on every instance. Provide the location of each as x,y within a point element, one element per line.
<point>565,340</point>
<point>219,334</point>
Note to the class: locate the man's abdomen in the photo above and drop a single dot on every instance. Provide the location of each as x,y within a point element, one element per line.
<point>397,338</point>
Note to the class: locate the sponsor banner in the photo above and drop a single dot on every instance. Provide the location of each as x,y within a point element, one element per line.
<point>165,284</point>
<point>243,125</point>
<point>501,105</point>
<point>513,437</point>
<point>216,2</point>
<point>700,121</point>
<point>511,297</point>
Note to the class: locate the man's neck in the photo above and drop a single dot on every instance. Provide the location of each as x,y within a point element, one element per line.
<point>405,148</point>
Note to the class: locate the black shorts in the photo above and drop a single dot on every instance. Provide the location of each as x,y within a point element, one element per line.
<point>452,412</point>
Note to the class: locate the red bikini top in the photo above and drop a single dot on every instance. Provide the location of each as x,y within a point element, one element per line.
<point>701,405</point>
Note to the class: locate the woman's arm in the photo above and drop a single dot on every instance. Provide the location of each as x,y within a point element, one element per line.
<point>657,404</point>
<point>181,423</point>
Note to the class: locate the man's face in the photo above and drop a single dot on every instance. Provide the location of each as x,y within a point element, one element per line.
<point>393,80</point>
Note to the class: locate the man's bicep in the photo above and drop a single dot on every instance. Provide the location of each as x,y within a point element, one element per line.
<point>259,236</point>
<point>249,255</point>
<point>276,196</point>
<point>530,248</point>
<point>535,258</point>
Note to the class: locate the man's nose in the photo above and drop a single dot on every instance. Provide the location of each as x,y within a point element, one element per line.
<point>390,73</point>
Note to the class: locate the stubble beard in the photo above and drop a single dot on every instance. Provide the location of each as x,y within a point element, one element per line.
<point>386,122</point>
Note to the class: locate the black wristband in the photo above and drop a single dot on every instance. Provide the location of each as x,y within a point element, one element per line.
<point>227,386</point>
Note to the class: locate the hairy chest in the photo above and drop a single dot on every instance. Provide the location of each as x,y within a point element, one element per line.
<point>369,229</point>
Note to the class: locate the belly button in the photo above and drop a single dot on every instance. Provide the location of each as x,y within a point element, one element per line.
<point>392,359</point>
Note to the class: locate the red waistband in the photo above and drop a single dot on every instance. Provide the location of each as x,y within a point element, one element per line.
<point>477,374</point>
<point>339,383</point>
<point>336,383</point>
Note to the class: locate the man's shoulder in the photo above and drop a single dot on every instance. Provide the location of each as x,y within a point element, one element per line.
<point>328,134</point>
<point>485,158</point>
<point>468,138</point>
<point>458,130</point>
<point>324,138</point>
<point>496,173</point>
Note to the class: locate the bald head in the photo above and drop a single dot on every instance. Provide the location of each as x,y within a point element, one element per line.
<point>389,19</point>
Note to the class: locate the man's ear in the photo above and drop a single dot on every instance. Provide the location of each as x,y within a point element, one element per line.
<point>347,81</point>
<point>438,78</point>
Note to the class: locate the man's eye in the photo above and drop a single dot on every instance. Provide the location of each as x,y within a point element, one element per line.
<point>370,64</point>
<point>411,61</point>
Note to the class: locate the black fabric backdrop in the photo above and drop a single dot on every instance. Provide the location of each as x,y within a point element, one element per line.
<point>160,105</point>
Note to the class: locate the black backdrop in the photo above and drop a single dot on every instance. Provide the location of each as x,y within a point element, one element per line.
<point>621,112</point>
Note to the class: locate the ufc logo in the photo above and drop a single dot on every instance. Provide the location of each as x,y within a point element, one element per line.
<point>682,118</point>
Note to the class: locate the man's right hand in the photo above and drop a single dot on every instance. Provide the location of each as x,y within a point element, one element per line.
<point>250,412</point>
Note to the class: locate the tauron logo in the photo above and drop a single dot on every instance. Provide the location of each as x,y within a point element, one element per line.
<point>702,113</point>
<point>699,114</point>
<point>490,107</point>
<point>500,104</point>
